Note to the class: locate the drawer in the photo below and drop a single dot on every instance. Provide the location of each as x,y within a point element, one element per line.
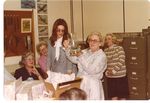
<point>134,44</point>
<point>141,82</point>
<point>136,74</point>
<point>134,60</point>
<point>137,91</point>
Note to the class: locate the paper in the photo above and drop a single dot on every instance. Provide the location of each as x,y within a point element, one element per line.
<point>56,78</point>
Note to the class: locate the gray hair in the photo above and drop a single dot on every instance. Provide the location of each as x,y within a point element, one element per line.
<point>96,33</point>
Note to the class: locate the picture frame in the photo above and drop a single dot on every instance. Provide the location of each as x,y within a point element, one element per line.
<point>26,25</point>
<point>43,30</point>
<point>43,39</point>
<point>28,4</point>
<point>42,19</point>
<point>42,8</point>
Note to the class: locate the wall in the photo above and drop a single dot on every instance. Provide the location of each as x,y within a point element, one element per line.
<point>137,15</point>
<point>103,16</point>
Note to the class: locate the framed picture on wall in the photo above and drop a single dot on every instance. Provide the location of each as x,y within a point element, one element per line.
<point>43,30</point>
<point>43,1</point>
<point>42,8</point>
<point>26,25</point>
<point>43,39</point>
<point>28,4</point>
<point>42,19</point>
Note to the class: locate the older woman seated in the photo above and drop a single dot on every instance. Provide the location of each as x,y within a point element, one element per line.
<point>28,70</point>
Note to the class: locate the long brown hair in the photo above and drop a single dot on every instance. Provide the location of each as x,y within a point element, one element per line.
<point>58,22</point>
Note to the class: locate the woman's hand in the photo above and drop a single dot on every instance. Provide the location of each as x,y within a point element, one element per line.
<point>34,71</point>
<point>66,44</point>
<point>109,71</point>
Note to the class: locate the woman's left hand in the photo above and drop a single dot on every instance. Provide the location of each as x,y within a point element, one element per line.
<point>66,44</point>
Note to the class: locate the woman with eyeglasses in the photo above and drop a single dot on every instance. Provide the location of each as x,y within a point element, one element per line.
<point>28,71</point>
<point>57,60</point>
<point>92,63</point>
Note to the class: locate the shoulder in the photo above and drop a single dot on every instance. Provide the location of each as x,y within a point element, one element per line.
<point>20,70</point>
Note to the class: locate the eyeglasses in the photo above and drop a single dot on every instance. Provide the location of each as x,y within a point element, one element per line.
<point>94,41</point>
<point>60,30</point>
<point>29,59</point>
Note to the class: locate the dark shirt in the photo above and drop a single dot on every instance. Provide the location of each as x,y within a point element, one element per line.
<point>22,72</point>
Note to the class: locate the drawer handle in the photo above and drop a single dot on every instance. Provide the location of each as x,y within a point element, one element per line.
<point>133,43</point>
<point>133,58</point>
<point>133,73</point>
<point>134,88</point>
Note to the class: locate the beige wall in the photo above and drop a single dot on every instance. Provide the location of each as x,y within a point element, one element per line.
<point>103,16</point>
<point>137,14</point>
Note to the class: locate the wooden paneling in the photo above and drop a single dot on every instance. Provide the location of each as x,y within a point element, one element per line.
<point>16,42</point>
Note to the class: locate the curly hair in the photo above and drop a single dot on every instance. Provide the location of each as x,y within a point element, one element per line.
<point>39,45</point>
<point>24,56</point>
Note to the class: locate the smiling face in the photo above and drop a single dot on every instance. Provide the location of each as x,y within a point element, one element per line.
<point>109,40</point>
<point>43,50</point>
<point>60,31</point>
<point>28,60</point>
<point>94,43</point>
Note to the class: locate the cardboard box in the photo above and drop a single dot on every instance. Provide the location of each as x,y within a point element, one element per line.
<point>61,87</point>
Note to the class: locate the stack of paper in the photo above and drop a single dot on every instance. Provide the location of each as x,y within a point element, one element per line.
<point>38,88</point>
<point>56,78</point>
<point>31,90</point>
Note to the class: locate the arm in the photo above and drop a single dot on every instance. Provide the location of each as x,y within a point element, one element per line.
<point>121,59</point>
<point>73,59</point>
<point>95,66</point>
<point>41,74</point>
<point>17,74</point>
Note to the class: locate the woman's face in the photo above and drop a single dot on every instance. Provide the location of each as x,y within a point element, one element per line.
<point>108,40</point>
<point>43,50</point>
<point>94,43</point>
<point>60,31</point>
<point>29,61</point>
